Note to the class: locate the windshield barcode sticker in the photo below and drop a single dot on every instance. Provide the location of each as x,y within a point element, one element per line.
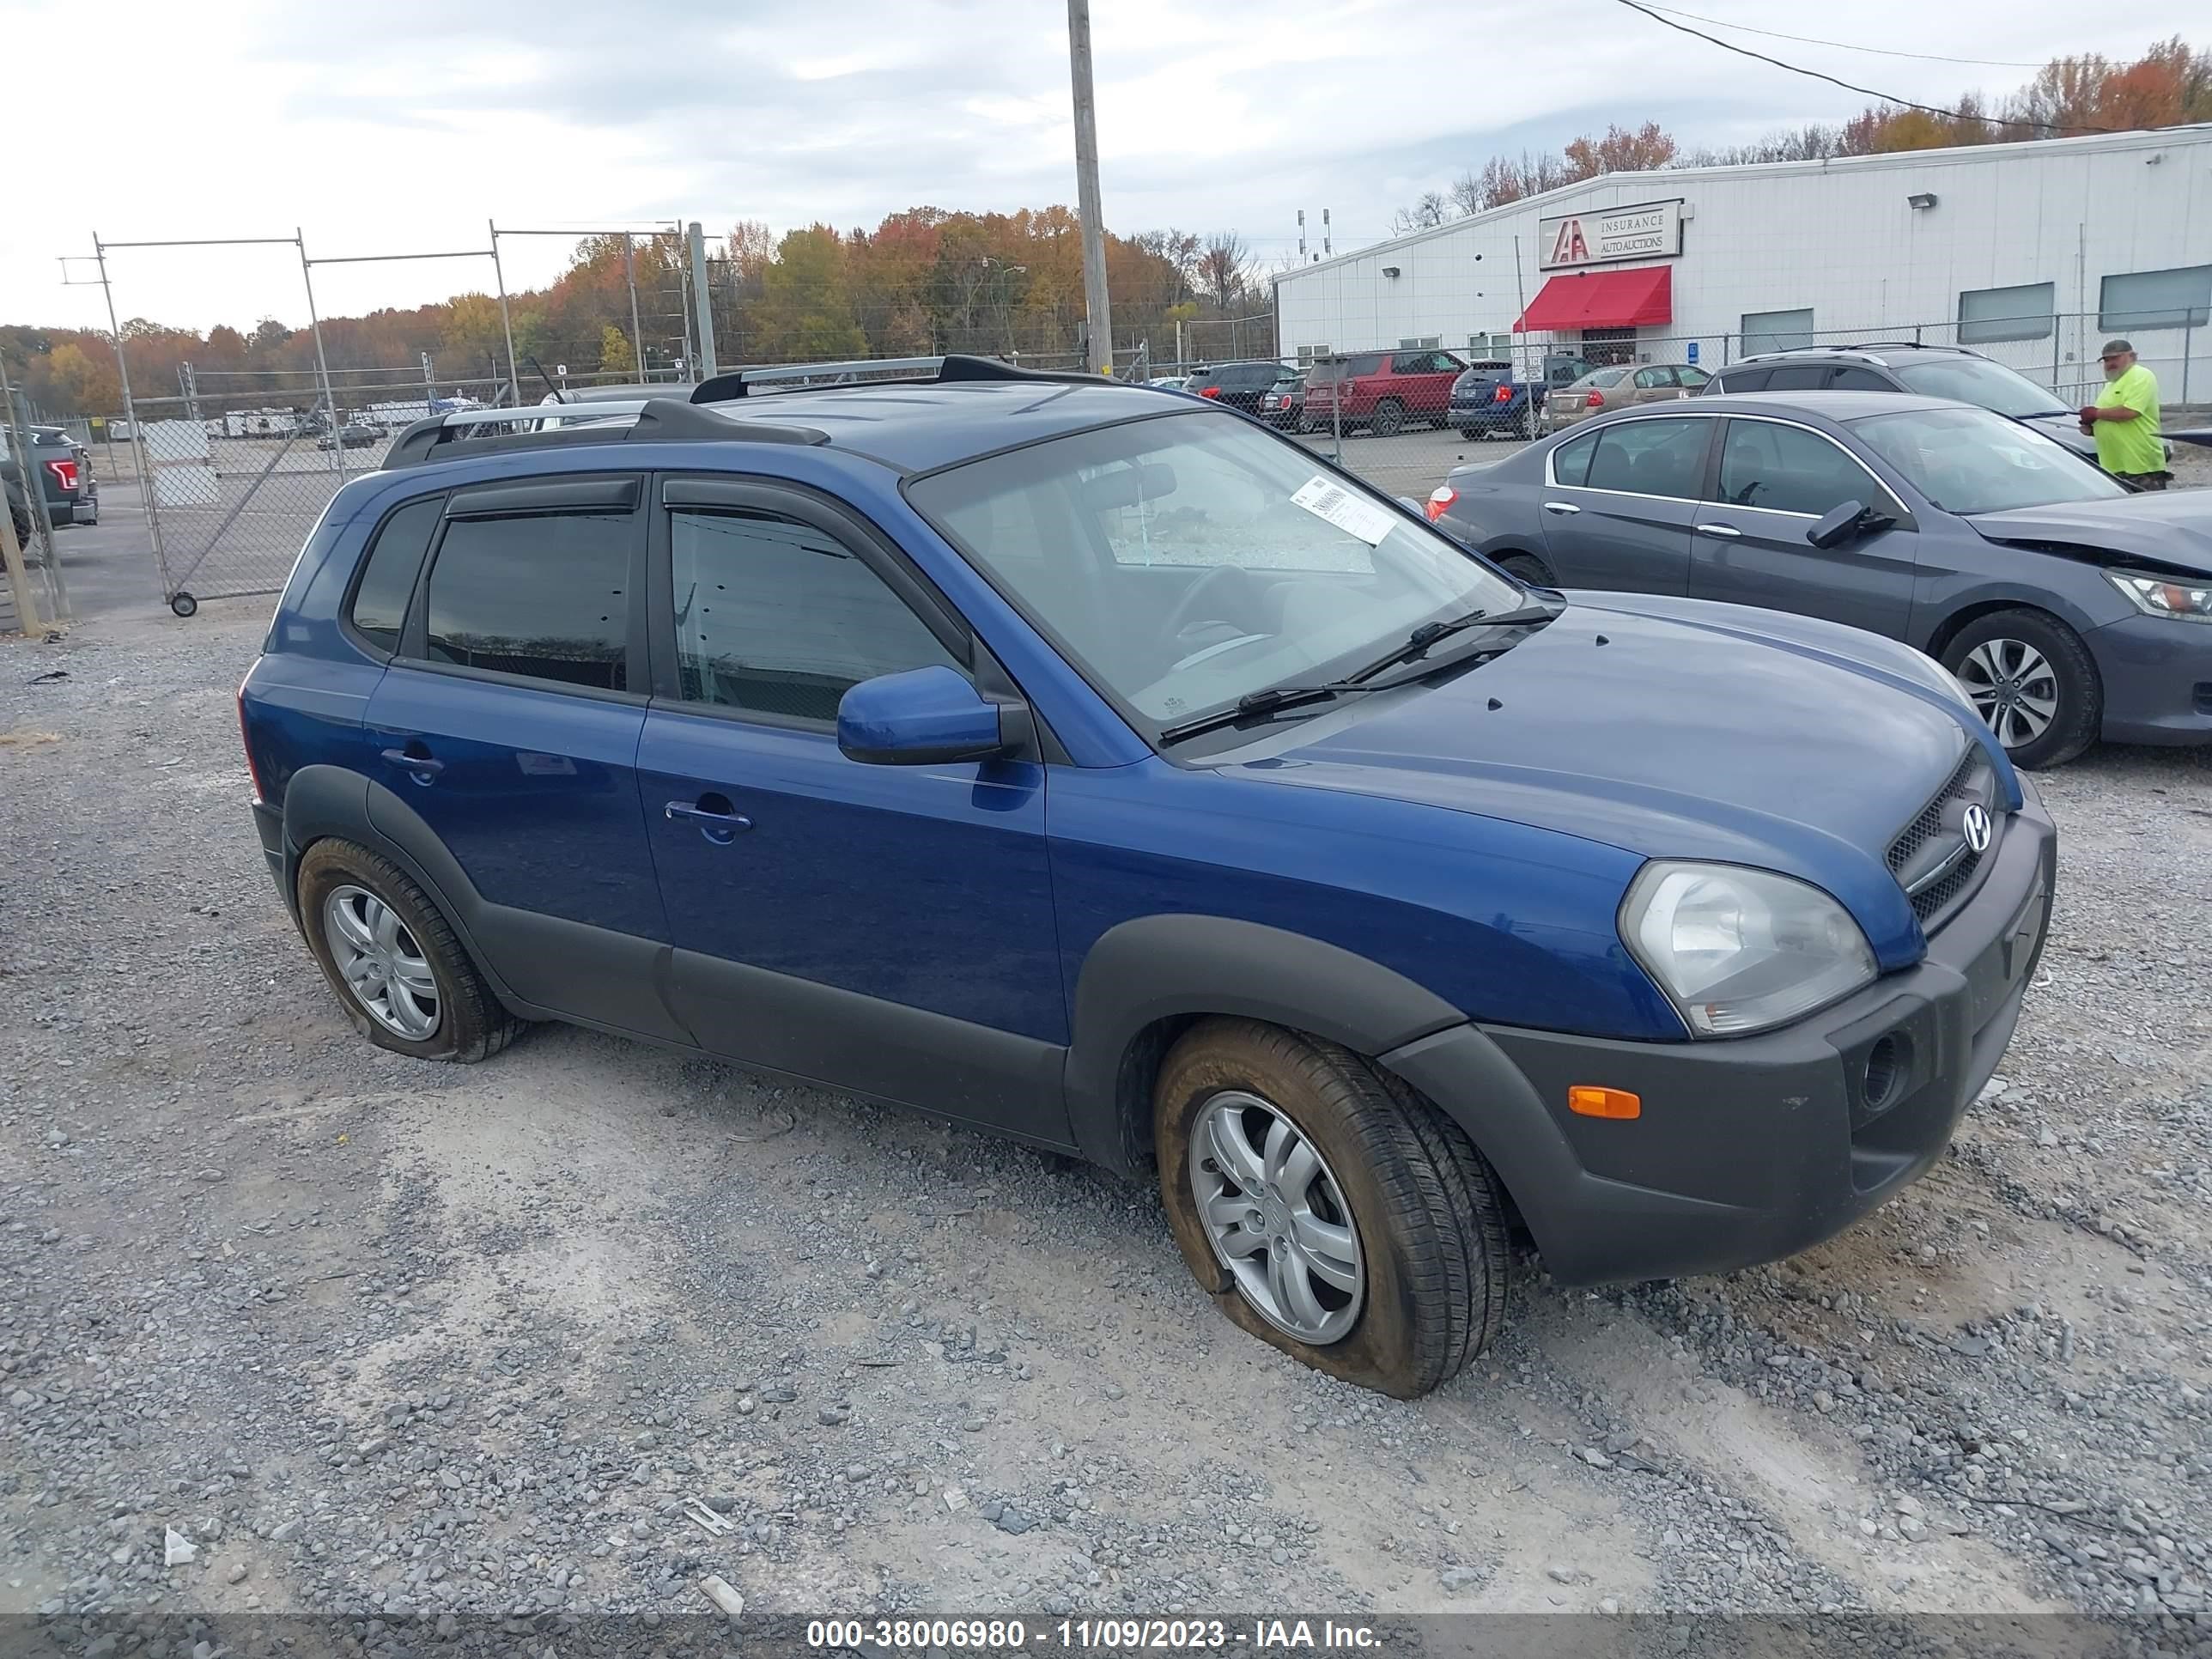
<point>1346,511</point>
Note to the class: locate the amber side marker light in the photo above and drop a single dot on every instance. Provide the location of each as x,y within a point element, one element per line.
<point>1587,1100</point>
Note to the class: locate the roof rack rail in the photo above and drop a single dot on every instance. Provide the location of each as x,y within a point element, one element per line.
<point>1885,345</point>
<point>951,369</point>
<point>644,420</point>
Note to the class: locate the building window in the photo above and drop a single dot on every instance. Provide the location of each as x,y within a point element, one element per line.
<point>1776,331</point>
<point>1415,345</point>
<point>2155,299</point>
<point>1490,345</point>
<point>2028,312</point>
<point>1310,355</point>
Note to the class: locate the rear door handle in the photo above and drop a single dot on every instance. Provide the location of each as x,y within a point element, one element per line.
<point>422,766</point>
<point>1561,506</point>
<point>718,823</point>
<point>1728,530</point>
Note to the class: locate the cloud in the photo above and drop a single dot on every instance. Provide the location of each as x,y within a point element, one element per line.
<point>404,125</point>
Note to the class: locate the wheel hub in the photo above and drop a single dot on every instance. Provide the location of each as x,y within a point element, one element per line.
<point>1276,1216</point>
<point>383,967</point>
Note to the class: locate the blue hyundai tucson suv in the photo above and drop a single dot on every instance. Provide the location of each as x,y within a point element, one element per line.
<point>1101,768</point>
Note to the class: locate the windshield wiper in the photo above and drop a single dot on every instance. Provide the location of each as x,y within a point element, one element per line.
<point>1254,703</point>
<point>1275,698</point>
<point>1419,643</point>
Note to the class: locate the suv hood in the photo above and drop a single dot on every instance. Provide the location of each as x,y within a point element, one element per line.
<point>2170,527</point>
<point>1670,729</point>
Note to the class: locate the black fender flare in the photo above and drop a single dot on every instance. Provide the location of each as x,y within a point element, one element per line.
<point>321,802</point>
<point>1158,968</point>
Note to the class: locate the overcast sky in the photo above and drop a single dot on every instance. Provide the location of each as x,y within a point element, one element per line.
<point>384,126</point>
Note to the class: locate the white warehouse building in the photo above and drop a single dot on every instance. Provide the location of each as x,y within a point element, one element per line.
<point>2033,252</point>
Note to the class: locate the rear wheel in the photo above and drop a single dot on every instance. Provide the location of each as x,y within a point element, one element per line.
<point>1388,418</point>
<point>1348,1225</point>
<point>395,964</point>
<point>2034,683</point>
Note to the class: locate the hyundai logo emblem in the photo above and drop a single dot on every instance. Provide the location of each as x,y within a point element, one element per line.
<point>1976,823</point>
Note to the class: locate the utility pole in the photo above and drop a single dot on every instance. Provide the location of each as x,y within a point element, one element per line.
<point>702,297</point>
<point>637,334</point>
<point>1096,310</point>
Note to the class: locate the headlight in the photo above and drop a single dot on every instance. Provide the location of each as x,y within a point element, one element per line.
<point>2157,597</point>
<point>1740,949</point>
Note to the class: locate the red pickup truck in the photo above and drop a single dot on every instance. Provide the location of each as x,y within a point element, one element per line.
<point>1382,391</point>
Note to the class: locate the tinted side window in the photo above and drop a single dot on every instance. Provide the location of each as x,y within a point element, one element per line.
<point>1788,470</point>
<point>545,596</point>
<point>1370,364</point>
<point>387,576</point>
<point>1652,458</point>
<point>1570,462</point>
<point>1797,377</point>
<point>1744,380</point>
<point>1852,378</point>
<point>777,618</point>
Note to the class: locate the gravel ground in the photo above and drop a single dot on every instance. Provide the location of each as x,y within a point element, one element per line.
<point>418,1344</point>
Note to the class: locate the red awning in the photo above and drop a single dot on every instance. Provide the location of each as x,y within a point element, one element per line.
<point>1601,299</point>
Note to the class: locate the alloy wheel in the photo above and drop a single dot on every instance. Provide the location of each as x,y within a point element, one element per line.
<point>2013,688</point>
<point>1277,1217</point>
<point>382,965</point>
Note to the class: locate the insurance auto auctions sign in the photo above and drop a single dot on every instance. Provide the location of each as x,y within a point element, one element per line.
<point>1652,230</point>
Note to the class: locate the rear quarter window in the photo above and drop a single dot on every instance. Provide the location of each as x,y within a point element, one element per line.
<point>395,558</point>
<point>1570,462</point>
<point>1743,380</point>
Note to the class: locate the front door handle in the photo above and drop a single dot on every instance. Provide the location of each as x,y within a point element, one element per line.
<point>1728,530</point>
<point>1561,507</point>
<point>415,761</point>
<point>718,821</point>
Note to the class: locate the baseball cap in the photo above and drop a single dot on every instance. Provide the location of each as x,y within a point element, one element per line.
<point>2114,347</point>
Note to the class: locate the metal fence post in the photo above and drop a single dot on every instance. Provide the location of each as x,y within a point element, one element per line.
<point>34,497</point>
<point>506,327</point>
<point>139,459</point>
<point>322,366</point>
<point>2188,347</point>
<point>636,333</point>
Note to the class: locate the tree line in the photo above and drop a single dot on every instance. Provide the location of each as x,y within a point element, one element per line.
<point>923,282</point>
<point>2170,85</point>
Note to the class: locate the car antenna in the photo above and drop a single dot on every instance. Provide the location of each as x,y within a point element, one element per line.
<point>538,369</point>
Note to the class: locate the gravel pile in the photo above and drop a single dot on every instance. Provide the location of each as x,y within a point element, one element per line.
<point>289,1324</point>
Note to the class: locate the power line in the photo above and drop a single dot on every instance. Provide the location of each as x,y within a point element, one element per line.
<point>1851,86</point>
<point>1845,45</point>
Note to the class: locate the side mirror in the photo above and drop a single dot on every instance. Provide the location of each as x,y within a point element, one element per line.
<point>924,717</point>
<point>1847,523</point>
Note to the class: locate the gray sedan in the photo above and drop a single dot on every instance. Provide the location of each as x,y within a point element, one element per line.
<point>2068,606</point>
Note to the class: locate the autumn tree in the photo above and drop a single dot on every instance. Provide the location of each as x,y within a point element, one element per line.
<point>615,356</point>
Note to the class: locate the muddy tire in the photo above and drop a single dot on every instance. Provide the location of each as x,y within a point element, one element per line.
<point>393,961</point>
<point>1358,1175</point>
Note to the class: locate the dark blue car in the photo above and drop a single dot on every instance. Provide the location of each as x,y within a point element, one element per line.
<point>1101,768</point>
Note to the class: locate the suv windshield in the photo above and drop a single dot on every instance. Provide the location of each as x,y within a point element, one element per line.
<point>1187,562</point>
<point>1978,380</point>
<point>1969,460</point>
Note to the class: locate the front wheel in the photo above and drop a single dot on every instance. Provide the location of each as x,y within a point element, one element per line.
<point>2033,680</point>
<point>1344,1222</point>
<point>1527,568</point>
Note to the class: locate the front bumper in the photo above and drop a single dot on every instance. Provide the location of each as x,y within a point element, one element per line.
<point>2157,674</point>
<point>1751,1150</point>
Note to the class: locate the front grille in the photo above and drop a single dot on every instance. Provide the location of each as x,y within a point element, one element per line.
<point>1930,857</point>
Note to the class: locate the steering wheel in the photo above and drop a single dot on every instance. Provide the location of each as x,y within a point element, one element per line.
<point>1228,585</point>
